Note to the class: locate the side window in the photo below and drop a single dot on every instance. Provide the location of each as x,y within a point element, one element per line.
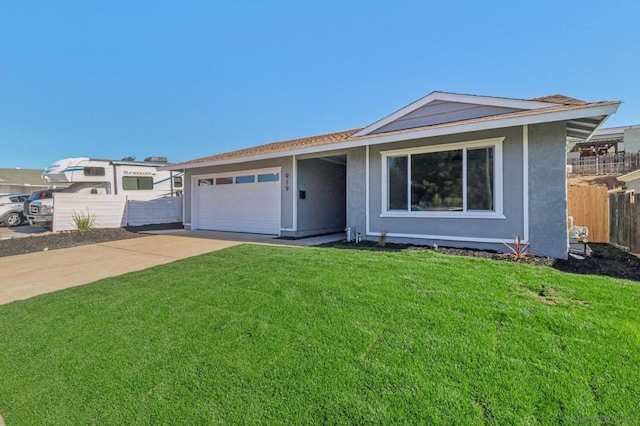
<point>224,181</point>
<point>93,171</point>
<point>131,183</point>
<point>177,182</point>
<point>245,179</point>
<point>270,177</point>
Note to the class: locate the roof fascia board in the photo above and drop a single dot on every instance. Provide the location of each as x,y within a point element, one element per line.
<point>605,110</point>
<point>454,97</point>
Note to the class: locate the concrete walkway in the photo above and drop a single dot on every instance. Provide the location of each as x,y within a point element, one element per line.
<point>28,275</point>
<point>250,238</point>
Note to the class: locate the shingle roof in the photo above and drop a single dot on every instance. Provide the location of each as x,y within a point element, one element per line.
<point>278,146</point>
<point>558,103</point>
<point>560,99</point>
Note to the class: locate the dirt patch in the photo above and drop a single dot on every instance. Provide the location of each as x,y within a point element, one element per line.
<point>610,181</point>
<point>605,260</point>
<point>35,243</point>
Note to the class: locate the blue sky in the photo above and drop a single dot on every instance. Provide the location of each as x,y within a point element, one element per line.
<point>188,79</point>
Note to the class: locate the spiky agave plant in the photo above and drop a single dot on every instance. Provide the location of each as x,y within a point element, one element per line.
<point>519,249</point>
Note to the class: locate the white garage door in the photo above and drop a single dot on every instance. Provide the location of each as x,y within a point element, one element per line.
<point>246,201</point>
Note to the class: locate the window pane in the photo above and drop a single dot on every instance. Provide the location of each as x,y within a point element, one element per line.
<point>224,181</point>
<point>245,179</point>
<point>436,181</point>
<point>205,182</point>
<point>480,179</point>
<point>271,177</point>
<point>397,172</point>
<point>145,183</point>
<point>93,171</point>
<point>130,183</point>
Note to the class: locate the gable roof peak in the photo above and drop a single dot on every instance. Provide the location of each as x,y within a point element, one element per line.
<point>493,105</point>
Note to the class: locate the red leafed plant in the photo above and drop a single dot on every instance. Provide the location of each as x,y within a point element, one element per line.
<point>519,249</point>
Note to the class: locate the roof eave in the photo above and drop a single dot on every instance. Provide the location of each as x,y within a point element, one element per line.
<point>495,123</point>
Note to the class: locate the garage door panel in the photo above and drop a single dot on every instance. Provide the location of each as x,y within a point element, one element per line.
<point>245,207</point>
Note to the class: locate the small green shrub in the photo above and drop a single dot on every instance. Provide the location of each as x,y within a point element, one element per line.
<point>84,222</point>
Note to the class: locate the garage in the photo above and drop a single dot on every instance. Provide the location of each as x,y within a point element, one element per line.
<point>244,201</point>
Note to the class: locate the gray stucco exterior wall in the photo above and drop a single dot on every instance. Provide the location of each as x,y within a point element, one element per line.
<point>458,231</point>
<point>356,189</point>
<point>545,222</point>
<point>548,190</point>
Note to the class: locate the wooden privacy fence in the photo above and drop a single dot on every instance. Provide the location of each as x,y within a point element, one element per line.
<point>589,206</point>
<point>624,214</point>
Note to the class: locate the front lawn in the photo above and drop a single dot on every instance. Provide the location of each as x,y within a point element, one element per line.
<point>256,334</point>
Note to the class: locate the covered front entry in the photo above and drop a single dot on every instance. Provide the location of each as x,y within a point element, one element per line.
<point>322,195</point>
<point>243,201</point>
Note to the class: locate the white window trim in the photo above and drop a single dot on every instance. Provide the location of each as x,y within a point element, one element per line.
<point>495,143</point>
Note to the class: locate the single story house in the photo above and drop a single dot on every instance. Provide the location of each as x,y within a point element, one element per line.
<point>449,169</point>
<point>17,181</point>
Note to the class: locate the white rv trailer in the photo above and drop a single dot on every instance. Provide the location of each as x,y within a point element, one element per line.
<point>138,180</point>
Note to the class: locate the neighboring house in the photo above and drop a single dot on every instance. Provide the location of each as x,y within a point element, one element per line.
<point>612,150</point>
<point>16,181</point>
<point>631,181</point>
<point>448,169</point>
<point>609,140</point>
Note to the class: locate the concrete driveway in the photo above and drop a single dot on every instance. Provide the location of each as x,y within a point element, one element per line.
<point>28,275</point>
<point>20,231</point>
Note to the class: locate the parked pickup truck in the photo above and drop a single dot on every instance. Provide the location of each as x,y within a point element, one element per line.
<point>39,208</point>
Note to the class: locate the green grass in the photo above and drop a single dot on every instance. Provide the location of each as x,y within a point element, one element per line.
<point>258,334</point>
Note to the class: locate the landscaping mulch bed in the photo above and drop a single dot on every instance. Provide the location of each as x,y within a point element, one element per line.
<point>605,260</point>
<point>60,240</point>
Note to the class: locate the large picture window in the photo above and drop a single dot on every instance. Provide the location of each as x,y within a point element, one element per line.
<point>455,180</point>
